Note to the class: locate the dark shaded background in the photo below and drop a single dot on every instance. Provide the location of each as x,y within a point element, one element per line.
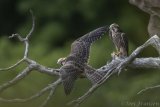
<point>58,23</point>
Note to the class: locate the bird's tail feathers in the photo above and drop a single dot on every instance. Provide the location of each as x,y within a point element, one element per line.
<point>94,76</point>
<point>68,80</point>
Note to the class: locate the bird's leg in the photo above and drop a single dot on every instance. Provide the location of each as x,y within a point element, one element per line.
<point>122,53</point>
<point>119,53</point>
<point>115,54</point>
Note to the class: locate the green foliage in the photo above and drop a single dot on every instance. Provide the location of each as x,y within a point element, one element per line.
<point>58,24</point>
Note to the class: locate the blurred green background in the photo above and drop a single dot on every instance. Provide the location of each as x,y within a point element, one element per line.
<point>58,24</point>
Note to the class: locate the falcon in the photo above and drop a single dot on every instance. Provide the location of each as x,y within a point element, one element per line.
<point>120,41</point>
<point>76,63</point>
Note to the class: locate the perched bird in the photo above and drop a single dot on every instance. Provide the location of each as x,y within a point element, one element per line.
<point>120,41</point>
<point>76,62</point>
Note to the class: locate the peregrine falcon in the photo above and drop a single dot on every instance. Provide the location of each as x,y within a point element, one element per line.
<point>75,63</point>
<point>120,41</point>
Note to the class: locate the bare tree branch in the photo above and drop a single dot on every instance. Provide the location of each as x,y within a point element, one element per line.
<point>31,65</point>
<point>148,88</point>
<point>33,25</point>
<point>19,77</point>
<point>146,63</point>
<point>25,41</point>
<point>52,91</point>
<point>46,70</point>
<point>18,36</point>
<point>13,66</point>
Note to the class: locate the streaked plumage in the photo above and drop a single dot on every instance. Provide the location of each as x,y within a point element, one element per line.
<point>75,63</point>
<point>119,39</point>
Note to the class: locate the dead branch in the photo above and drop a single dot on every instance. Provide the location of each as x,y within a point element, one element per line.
<point>148,88</point>
<point>19,77</point>
<point>145,63</point>
<point>31,65</point>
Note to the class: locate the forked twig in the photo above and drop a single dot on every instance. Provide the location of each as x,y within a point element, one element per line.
<point>148,88</point>
<point>31,65</point>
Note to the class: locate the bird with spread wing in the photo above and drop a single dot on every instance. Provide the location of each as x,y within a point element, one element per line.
<point>76,62</point>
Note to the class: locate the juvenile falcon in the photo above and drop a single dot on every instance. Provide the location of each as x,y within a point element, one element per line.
<point>120,41</point>
<point>76,62</point>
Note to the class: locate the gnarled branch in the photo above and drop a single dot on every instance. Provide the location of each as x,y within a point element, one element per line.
<point>31,65</point>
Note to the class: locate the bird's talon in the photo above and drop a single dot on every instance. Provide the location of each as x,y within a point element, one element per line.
<point>114,55</point>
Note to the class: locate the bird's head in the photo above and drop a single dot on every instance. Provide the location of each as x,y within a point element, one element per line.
<point>61,61</point>
<point>114,27</point>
